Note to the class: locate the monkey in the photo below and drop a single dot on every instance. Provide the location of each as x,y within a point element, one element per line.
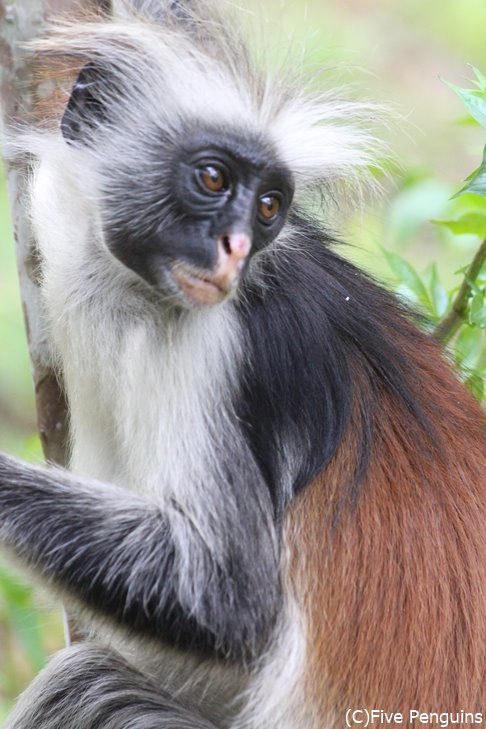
<point>275,514</point>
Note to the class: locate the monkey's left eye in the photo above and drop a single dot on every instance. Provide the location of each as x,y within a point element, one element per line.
<point>213,178</point>
<point>269,207</point>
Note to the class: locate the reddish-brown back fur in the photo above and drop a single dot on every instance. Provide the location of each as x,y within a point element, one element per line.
<point>394,590</point>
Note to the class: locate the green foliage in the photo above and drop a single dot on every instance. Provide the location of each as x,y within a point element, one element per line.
<point>473,99</point>
<point>473,223</point>
<point>425,291</point>
<point>411,283</point>
<point>466,341</point>
<point>475,102</point>
<point>18,610</point>
<point>28,634</point>
<point>458,312</point>
<point>476,182</point>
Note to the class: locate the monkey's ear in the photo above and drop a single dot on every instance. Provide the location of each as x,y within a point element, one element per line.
<point>85,108</point>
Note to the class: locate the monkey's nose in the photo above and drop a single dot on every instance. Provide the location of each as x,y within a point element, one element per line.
<point>233,250</point>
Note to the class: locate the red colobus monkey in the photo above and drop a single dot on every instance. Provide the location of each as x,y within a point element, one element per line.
<point>277,511</point>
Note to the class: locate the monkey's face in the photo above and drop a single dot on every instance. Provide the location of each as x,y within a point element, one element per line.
<point>185,206</point>
<point>189,222</point>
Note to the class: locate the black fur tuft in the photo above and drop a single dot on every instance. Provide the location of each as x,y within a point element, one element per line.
<point>313,326</point>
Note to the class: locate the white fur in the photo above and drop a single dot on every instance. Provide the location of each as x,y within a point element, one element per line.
<point>167,77</point>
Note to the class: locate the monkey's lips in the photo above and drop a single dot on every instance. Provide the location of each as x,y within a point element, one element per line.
<point>200,287</point>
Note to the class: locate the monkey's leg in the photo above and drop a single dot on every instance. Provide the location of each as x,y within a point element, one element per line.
<point>88,687</point>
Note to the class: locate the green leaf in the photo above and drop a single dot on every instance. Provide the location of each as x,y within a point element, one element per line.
<point>480,79</point>
<point>466,202</point>
<point>468,347</point>
<point>477,311</point>
<point>475,384</point>
<point>476,182</point>
<point>468,223</point>
<point>466,121</point>
<point>406,274</point>
<point>474,288</point>
<point>438,294</point>
<point>475,102</point>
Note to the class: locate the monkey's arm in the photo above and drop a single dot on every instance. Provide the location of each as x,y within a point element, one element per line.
<point>115,553</point>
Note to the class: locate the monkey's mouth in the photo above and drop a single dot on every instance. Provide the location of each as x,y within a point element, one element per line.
<point>201,287</point>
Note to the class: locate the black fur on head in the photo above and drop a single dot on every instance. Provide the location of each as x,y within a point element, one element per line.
<point>85,108</point>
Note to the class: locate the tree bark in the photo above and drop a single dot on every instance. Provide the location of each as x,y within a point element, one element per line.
<point>22,20</point>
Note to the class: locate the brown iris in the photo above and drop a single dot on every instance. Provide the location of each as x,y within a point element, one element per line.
<point>269,207</point>
<point>213,178</point>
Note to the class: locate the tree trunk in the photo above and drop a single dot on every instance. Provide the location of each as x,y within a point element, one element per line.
<point>21,20</point>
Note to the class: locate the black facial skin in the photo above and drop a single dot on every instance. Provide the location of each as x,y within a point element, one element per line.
<point>183,219</point>
<point>251,172</point>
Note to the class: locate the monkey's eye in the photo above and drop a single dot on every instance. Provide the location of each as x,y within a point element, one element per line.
<point>269,207</point>
<point>213,178</point>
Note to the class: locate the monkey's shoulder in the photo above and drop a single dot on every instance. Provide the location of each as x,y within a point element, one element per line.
<point>329,350</point>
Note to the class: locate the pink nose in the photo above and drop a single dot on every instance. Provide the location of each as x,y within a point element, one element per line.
<point>233,249</point>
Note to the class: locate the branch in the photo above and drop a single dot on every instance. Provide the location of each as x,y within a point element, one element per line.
<point>446,328</point>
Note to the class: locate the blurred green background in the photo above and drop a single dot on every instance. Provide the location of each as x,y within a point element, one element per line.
<point>394,51</point>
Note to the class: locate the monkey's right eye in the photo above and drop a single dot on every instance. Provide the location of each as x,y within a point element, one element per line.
<point>213,178</point>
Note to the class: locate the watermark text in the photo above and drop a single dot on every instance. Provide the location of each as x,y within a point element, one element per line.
<point>412,718</point>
